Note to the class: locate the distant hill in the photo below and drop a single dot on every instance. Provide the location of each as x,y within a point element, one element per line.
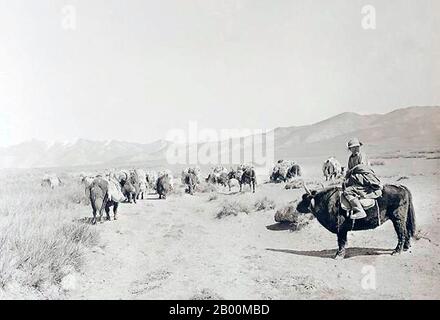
<point>410,128</point>
<point>79,153</point>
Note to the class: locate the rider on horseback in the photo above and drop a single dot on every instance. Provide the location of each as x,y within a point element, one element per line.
<point>360,180</point>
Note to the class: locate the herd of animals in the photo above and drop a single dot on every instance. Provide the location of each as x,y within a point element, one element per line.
<point>114,187</point>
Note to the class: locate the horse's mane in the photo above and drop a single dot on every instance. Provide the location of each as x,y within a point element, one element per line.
<point>328,189</point>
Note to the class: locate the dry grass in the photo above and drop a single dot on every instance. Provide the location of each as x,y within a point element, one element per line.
<point>232,208</point>
<point>40,243</point>
<point>289,214</point>
<point>264,204</point>
<point>205,187</point>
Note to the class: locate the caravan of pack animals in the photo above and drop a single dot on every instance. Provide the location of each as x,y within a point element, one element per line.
<point>106,191</point>
<point>192,233</point>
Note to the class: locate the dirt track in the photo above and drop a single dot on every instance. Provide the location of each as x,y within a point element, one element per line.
<point>177,249</point>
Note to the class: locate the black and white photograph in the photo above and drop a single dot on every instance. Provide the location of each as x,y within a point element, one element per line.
<point>218,150</point>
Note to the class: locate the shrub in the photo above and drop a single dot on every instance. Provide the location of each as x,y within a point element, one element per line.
<point>264,204</point>
<point>232,208</point>
<point>289,214</point>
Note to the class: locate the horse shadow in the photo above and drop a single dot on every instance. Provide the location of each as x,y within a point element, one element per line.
<point>330,254</point>
<point>281,226</point>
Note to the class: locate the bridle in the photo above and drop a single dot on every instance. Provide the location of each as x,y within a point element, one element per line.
<point>312,200</point>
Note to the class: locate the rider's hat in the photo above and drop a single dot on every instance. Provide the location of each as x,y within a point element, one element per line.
<point>354,143</point>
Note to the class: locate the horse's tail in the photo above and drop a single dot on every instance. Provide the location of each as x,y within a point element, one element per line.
<point>411,218</point>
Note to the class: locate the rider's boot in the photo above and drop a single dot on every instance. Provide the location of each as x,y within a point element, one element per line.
<point>358,211</point>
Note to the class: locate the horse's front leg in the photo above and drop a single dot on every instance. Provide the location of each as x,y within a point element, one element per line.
<point>342,242</point>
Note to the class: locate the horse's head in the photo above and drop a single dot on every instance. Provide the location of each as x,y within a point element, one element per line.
<point>307,202</point>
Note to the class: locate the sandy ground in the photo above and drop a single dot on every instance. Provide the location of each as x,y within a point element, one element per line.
<point>178,249</point>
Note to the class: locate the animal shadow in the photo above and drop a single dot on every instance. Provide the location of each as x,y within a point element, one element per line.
<point>330,254</point>
<point>281,226</point>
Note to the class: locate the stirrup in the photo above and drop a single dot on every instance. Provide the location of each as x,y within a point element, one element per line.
<point>358,215</point>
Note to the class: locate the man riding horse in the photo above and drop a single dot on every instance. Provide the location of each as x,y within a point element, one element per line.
<point>360,180</point>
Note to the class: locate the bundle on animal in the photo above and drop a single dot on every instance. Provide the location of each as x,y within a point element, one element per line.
<point>104,194</point>
<point>151,177</point>
<point>190,179</point>
<point>164,185</point>
<point>247,176</point>
<point>284,170</point>
<point>218,175</point>
<point>140,179</point>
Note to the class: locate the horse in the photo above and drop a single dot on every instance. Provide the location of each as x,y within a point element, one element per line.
<point>129,190</point>
<point>331,169</point>
<point>104,194</point>
<point>395,204</point>
<point>248,177</point>
<point>190,180</point>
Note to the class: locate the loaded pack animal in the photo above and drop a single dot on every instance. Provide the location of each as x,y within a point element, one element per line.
<point>395,204</point>
<point>294,171</point>
<point>51,181</point>
<point>151,177</point>
<point>140,179</point>
<point>129,189</point>
<point>248,177</point>
<point>190,180</point>
<point>278,175</point>
<point>104,194</point>
<point>332,169</point>
<point>163,185</point>
<point>221,178</point>
<point>234,175</point>
<point>285,170</point>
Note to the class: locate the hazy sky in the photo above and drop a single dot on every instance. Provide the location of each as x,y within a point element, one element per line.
<point>132,70</point>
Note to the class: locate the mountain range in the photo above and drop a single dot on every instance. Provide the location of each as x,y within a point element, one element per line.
<point>411,128</point>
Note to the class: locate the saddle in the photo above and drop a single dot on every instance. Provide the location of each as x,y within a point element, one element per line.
<point>368,202</point>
